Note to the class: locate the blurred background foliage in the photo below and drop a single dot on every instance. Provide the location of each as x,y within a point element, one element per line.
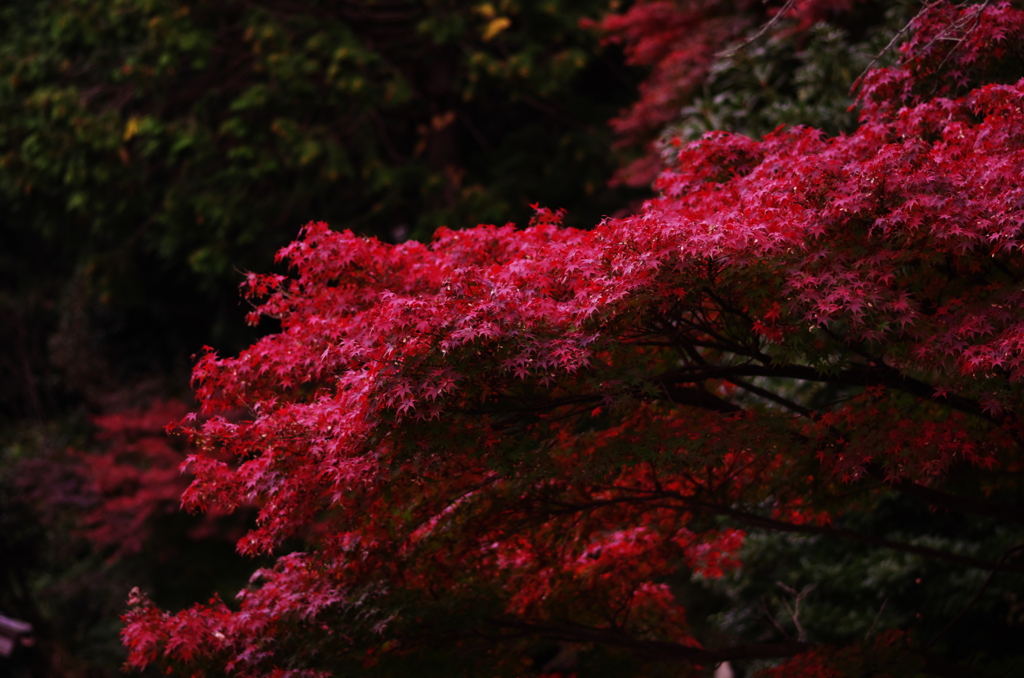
<point>149,149</point>
<point>152,149</point>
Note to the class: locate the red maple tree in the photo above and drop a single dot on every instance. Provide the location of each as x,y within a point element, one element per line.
<point>516,433</point>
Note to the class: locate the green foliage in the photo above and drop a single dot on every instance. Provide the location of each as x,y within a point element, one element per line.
<point>793,78</point>
<point>143,138</point>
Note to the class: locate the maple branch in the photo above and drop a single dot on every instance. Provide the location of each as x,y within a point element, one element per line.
<point>757,36</point>
<point>692,397</point>
<point>867,69</point>
<point>959,41</point>
<point>851,346</point>
<point>695,397</point>
<point>853,376</point>
<point>655,650</point>
<point>764,393</point>
<point>539,406</point>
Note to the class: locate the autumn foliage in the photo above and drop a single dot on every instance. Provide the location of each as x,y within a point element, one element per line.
<point>511,433</point>
<point>135,479</point>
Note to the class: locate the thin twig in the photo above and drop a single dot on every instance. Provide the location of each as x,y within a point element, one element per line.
<point>757,36</point>
<point>977,21</point>
<point>771,618</point>
<point>874,60</point>
<point>768,395</point>
<point>801,635</point>
<point>943,35</point>
<point>877,617</point>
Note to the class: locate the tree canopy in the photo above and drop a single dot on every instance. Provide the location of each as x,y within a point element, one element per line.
<point>805,346</point>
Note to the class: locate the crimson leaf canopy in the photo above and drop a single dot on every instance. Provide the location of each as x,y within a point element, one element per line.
<point>510,433</point>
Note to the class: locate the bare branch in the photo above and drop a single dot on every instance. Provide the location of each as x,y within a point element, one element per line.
<point>761,33</point>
